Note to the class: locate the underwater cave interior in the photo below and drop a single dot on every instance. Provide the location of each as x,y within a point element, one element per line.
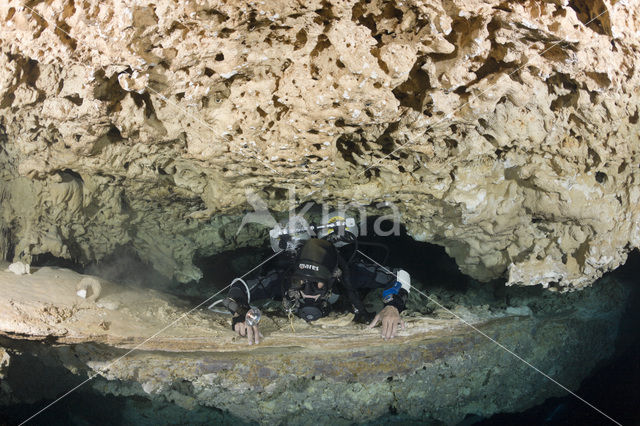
<point>611,386</point>
<point>507,132</point>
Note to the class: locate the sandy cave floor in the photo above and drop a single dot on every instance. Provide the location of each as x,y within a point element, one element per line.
<point>44,304</point>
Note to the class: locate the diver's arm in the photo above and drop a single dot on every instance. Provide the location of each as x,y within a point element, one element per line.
<point>394,298</point>
<point>361,314</point>
<point>237,302</point>
<point>265,287</point>
<point>389,316</point>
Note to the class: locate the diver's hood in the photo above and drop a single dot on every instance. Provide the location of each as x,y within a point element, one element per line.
<point>317,261</point>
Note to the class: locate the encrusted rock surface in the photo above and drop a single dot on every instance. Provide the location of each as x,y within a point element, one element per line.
<point>505,131</point>
<point>4,362</point>
<point>435,372</point>
<point>5,390</point>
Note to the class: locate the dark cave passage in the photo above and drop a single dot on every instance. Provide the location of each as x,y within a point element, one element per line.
<point>123,266</point>
<point>427,263</point>
<point>430,267</point>
<point>47,259</point>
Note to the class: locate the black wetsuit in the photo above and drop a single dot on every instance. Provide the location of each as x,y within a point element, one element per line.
<point>356,278</point>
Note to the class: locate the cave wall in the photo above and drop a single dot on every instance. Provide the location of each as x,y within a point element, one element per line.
<point>5,390</point>
<point>505,131</point>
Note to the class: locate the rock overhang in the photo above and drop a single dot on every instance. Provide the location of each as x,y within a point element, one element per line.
<point>507,134</point>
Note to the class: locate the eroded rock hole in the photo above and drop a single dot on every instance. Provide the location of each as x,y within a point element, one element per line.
<point>491,66</point>
<point>601,177</point>
<point>592,13</point>
<point>413,91</point>
<point>63,30</point>
<point>69,175</point>
<point>349,148</point>
<point>321,44</point>
<point>49,260</point>
<point>108,89</point>
<point>325,14</point>
<point>301,40</point>
<point>75,99</point>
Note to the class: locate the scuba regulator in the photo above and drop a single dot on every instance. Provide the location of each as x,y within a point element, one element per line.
<point>311,281</point>
<point>308,299</point>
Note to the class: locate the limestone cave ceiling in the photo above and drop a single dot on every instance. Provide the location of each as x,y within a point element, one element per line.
<point>506,132</point>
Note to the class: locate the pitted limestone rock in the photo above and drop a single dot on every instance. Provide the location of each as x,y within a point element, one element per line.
<point>506,133</point>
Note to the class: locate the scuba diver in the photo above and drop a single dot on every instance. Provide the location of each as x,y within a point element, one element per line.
<point>314,276</point>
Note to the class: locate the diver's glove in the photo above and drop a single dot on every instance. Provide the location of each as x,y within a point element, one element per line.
<point>246,324</point>
<point>239,311</point>
<point>395,296</point>
<point>398,293</point>
<point>363,317</point>
<point>237,302</point>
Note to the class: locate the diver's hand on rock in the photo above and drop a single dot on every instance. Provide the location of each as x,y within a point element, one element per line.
<point>390,319</point>
<point>252,332</point>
